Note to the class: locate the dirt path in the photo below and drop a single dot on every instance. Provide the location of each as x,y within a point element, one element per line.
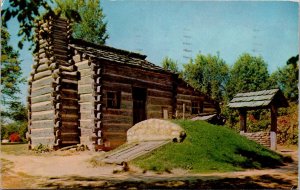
<point>77,171</point>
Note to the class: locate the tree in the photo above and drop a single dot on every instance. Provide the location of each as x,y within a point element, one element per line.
<point>249,73</point>
<point>287,80</point>
<point>25,11</point>
<point>11,77</point>
<point>11,73</point>
<point>170,64</point>
<point>207,73</point>
<point>92,27</point>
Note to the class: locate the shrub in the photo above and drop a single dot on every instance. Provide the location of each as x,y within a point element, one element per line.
<point>14,137</point>
<point>15,127</point>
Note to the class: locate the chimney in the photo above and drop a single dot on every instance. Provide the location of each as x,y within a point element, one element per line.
<point>53,113</point>
<point>53,37</point>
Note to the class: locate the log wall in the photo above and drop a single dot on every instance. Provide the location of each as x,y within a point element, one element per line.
<point>53,101</point>
<point>122,78</point>
<point>90,97</point>
<point>186,95</point>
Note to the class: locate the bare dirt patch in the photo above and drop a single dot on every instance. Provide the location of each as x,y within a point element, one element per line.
<point>76,170</point>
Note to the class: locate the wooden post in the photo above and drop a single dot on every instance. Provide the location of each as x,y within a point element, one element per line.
<point>273,132</point>
<point>243,120</point>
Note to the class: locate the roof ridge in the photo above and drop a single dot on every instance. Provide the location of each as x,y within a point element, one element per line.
<point>109,48</point>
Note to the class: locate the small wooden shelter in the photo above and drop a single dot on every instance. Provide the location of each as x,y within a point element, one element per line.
<point>91,94</point>
<point>265,99</point>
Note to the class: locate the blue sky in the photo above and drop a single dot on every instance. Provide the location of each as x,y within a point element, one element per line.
<point>165,28</point>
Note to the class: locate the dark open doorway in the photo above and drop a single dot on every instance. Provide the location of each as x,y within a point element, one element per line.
<point>139,96</point>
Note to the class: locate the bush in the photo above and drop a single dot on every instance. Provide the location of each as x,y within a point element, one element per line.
<point>15,127</point>
<point>287,129</point>
<point>14,137</point>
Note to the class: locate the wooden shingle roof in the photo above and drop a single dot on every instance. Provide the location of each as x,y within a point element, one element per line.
<point>115,55</point>
<point>259,99</point>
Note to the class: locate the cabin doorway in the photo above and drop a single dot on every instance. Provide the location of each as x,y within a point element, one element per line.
<point>139,96</point>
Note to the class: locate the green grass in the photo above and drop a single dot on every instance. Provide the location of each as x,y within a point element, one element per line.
<point>15,149</point>
<point>209,148</point>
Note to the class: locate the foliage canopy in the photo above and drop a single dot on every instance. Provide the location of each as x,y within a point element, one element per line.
<point>209,74</point>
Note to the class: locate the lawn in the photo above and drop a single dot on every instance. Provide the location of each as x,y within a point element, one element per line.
<point>15,149</point>
<point>209,148</point>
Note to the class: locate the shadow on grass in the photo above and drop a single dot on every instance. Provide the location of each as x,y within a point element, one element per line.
<point>264,159</point>
<point>255,182</point>
<point>255,160</point>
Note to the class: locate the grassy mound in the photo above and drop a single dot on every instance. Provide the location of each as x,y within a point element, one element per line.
<point>209,148</point>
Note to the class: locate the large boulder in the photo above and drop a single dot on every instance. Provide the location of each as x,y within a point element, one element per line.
<point>154,130</point>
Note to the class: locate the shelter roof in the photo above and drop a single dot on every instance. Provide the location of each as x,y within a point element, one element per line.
<point>116,55</point>
<point>259,99</point>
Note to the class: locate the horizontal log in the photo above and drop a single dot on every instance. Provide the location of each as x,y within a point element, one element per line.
<point>36,141</point>
<point>42,106</point>
<point>45,61</point>
<point>69,116</point>
<point>190,97</point>
<point>86,123</point>
<point>159,93</point>
<point>64,85</point>
<point>42,124</point>
<point>138,73</point>
<point>86,115</point>
<point>62,63</point>
<point>209,110</point>
<point>159,101</point>
<point>86,98</point>
<point>181,101</point>
<point>66,75</point>
<point>42,55</point>
<point>71,137</point>
<point>40,91</point>
<point>112,137</point>
<point>116,128</point>
<point>85,89</point>
<point>113,86</point>
<point>120,120</point>
<point>41,50</point>
<point>66,93</point>
<point>85,72</point>
<point>85,80</point>
<point>68,69</point>
<point>66,101</point>
<point>83,65</point>
<point>61,52</point>
<point>125,104</point>
<point>136,82</point>
<point>46,81</point>
<point>188,91</point>
<point>158,107</point>
<point>154,114</point>
<point>42,115</point>
<point>77,58</point>
<point>40,75</point>
<point>124,112</point>
<point>43,67</point>
<point>87,106</point>
<point>69,111</point>
<point>42,132</point>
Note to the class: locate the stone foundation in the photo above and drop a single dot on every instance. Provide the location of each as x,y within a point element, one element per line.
<point>262,138</point>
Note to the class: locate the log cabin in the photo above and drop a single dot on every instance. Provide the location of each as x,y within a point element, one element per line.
<point>82,93</point>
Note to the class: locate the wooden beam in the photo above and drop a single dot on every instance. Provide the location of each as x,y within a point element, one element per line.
<point>273,118</point>
<point>243,120</point>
